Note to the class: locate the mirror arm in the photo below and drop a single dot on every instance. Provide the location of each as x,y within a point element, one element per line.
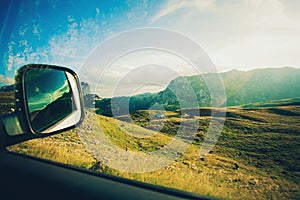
<point>11,131</point>
<point>3,136</point>
<point>12,124</point>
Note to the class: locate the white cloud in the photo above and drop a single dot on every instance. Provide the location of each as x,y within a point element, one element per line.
<point>67,49</point>
<point>6,80</point>
<point>139,71</point>
<point>97,11</point>
<point>245,34</point>
<point>265,37</point>
<point>174,6</point>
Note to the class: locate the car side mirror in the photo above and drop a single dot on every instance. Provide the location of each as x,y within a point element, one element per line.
<point>48,100</point>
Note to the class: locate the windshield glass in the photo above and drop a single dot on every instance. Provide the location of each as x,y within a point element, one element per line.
<point>200,96</point>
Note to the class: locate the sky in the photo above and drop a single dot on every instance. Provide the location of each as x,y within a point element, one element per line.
<point>235,34</point>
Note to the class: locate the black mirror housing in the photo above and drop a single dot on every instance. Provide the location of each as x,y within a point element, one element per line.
<point>48,100</point>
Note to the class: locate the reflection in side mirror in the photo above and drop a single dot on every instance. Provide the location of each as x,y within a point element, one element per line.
<point>52,98</point>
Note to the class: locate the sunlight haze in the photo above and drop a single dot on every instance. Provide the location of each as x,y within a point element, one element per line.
<point>235,35</point>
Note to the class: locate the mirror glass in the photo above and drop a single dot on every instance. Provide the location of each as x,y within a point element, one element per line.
<point>53,99</point>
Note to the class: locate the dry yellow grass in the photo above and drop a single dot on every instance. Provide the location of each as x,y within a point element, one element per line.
<point>215,176</point>
<point>64,148</point>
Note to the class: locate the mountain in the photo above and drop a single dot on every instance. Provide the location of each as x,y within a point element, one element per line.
<point>240,87</point>
<point>7,88</point>
<point>261,85</point>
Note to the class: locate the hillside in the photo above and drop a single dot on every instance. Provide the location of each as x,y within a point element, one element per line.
<point>7,102</point>
<point>281,102</point>
<point>241,88</point>
<point>256,155</point>
<point>261,85</point>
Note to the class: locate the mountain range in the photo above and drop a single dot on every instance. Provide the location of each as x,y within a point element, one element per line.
<point>205,90</point>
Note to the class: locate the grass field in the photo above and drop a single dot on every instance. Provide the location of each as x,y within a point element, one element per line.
<point>7,102</point>
<point>256,157</point>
